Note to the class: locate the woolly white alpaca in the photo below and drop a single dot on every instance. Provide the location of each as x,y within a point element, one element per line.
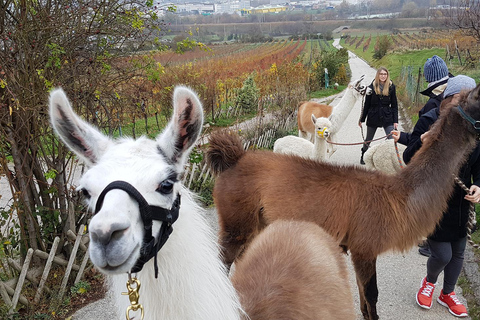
<point>383,157</point>
<point>192,281</point>
<point>304,148</point>
<point>355,90</point>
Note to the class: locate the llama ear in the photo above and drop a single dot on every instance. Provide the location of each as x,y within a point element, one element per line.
<point>314,119</point>
<point>474,95</point>
<point>83,139</point>
<point>183,130</point>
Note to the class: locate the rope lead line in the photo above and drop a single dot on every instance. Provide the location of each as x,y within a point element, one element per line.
<point>357,143</point>
<point>471,213</point>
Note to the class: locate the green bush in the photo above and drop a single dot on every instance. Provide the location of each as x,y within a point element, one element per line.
<point>333,62</point>
<point>382,47</point>
<point>247,95</point>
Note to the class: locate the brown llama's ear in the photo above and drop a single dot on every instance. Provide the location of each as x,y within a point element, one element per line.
<point>474,95</point>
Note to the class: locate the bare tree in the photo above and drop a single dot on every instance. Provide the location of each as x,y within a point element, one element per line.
<point>465,15</point>
<point>87,47</point>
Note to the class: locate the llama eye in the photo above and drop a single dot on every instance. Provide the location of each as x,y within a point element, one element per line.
<point>166,187</point>
<point>85,193</point>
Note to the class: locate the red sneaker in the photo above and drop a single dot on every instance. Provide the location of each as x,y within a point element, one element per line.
<point>453,304</point>
<point>424,295</point>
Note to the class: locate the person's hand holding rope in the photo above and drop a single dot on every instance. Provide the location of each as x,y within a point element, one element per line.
<point>474,195</point>
<point>395,135</point>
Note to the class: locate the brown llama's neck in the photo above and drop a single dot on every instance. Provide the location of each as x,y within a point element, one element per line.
<point>428,179</point>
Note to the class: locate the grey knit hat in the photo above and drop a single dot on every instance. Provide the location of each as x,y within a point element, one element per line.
<point>435,69</point>
<point>457,84</point>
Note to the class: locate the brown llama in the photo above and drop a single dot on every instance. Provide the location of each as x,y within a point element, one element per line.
<point>306,129</point>
<point>307,274</point>
<point>367,212</point>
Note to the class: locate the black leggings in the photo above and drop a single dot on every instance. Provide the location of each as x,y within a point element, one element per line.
<point>371,133</point>
<point>447,257</point>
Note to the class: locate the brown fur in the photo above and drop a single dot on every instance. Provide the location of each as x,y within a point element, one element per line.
<point>306,128</point>
<point>367,212</point>
<point>307,275</point>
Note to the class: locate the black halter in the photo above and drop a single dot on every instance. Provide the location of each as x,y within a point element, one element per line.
<point>475,123</point>
<point>148,213</point>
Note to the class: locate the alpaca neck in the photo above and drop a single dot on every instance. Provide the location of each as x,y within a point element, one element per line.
<point>342,110</point>
<point>428,179</point>
<point>319,148</point>
<point>192,282</point>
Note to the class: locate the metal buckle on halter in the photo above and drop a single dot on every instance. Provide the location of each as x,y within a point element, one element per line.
<point>476,125</point>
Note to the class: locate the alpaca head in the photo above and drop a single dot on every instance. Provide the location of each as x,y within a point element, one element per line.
<point>322,127</point>
<point>153,168</point>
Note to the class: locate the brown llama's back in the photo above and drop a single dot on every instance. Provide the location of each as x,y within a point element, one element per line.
<point>304,115</point>
<point>293,270</point>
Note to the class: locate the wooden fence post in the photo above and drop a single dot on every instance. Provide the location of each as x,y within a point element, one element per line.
<point>70,262</point>
<point>82,267</point>
<point>4,294</point>
<point>21,279</point>
<point>46,271</point>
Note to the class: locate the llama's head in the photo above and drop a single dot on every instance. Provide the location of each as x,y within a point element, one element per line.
<point>357,88</point>
<point>153,168</point>
<point>469,108</point>
<point>322,126</point>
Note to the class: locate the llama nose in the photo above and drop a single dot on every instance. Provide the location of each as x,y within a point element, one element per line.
<point>106,233</point>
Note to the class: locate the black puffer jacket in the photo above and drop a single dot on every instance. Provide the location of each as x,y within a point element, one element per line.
<point>379,110</point>
<point>453,225</point>
<point>435,93</point>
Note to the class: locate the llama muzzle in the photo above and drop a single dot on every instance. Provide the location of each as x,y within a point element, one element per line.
<point>148,213</point>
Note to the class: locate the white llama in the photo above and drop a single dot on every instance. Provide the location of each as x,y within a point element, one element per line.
<point>129,183</point>
<point>354,92</point>
<point>304,148</point>
<point>383,157</point>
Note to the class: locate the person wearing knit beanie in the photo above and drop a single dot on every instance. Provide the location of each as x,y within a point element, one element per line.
<point>457,84</point>
<point>436,74</point>
<point>446,245</point>
<point>435,69</point>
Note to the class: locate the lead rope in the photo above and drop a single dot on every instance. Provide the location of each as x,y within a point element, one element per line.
<point>361,113</point>
<point>398,156</point>
<point>471,214</point>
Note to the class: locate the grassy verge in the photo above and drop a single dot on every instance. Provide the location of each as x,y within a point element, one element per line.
<point>326,92</point>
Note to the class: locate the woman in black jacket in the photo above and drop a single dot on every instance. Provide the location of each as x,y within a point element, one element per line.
<point>380,108</point>
<point>447,243</point>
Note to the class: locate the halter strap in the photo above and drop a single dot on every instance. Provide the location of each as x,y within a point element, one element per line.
<point>148,213</point>
<point>475,123</point>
